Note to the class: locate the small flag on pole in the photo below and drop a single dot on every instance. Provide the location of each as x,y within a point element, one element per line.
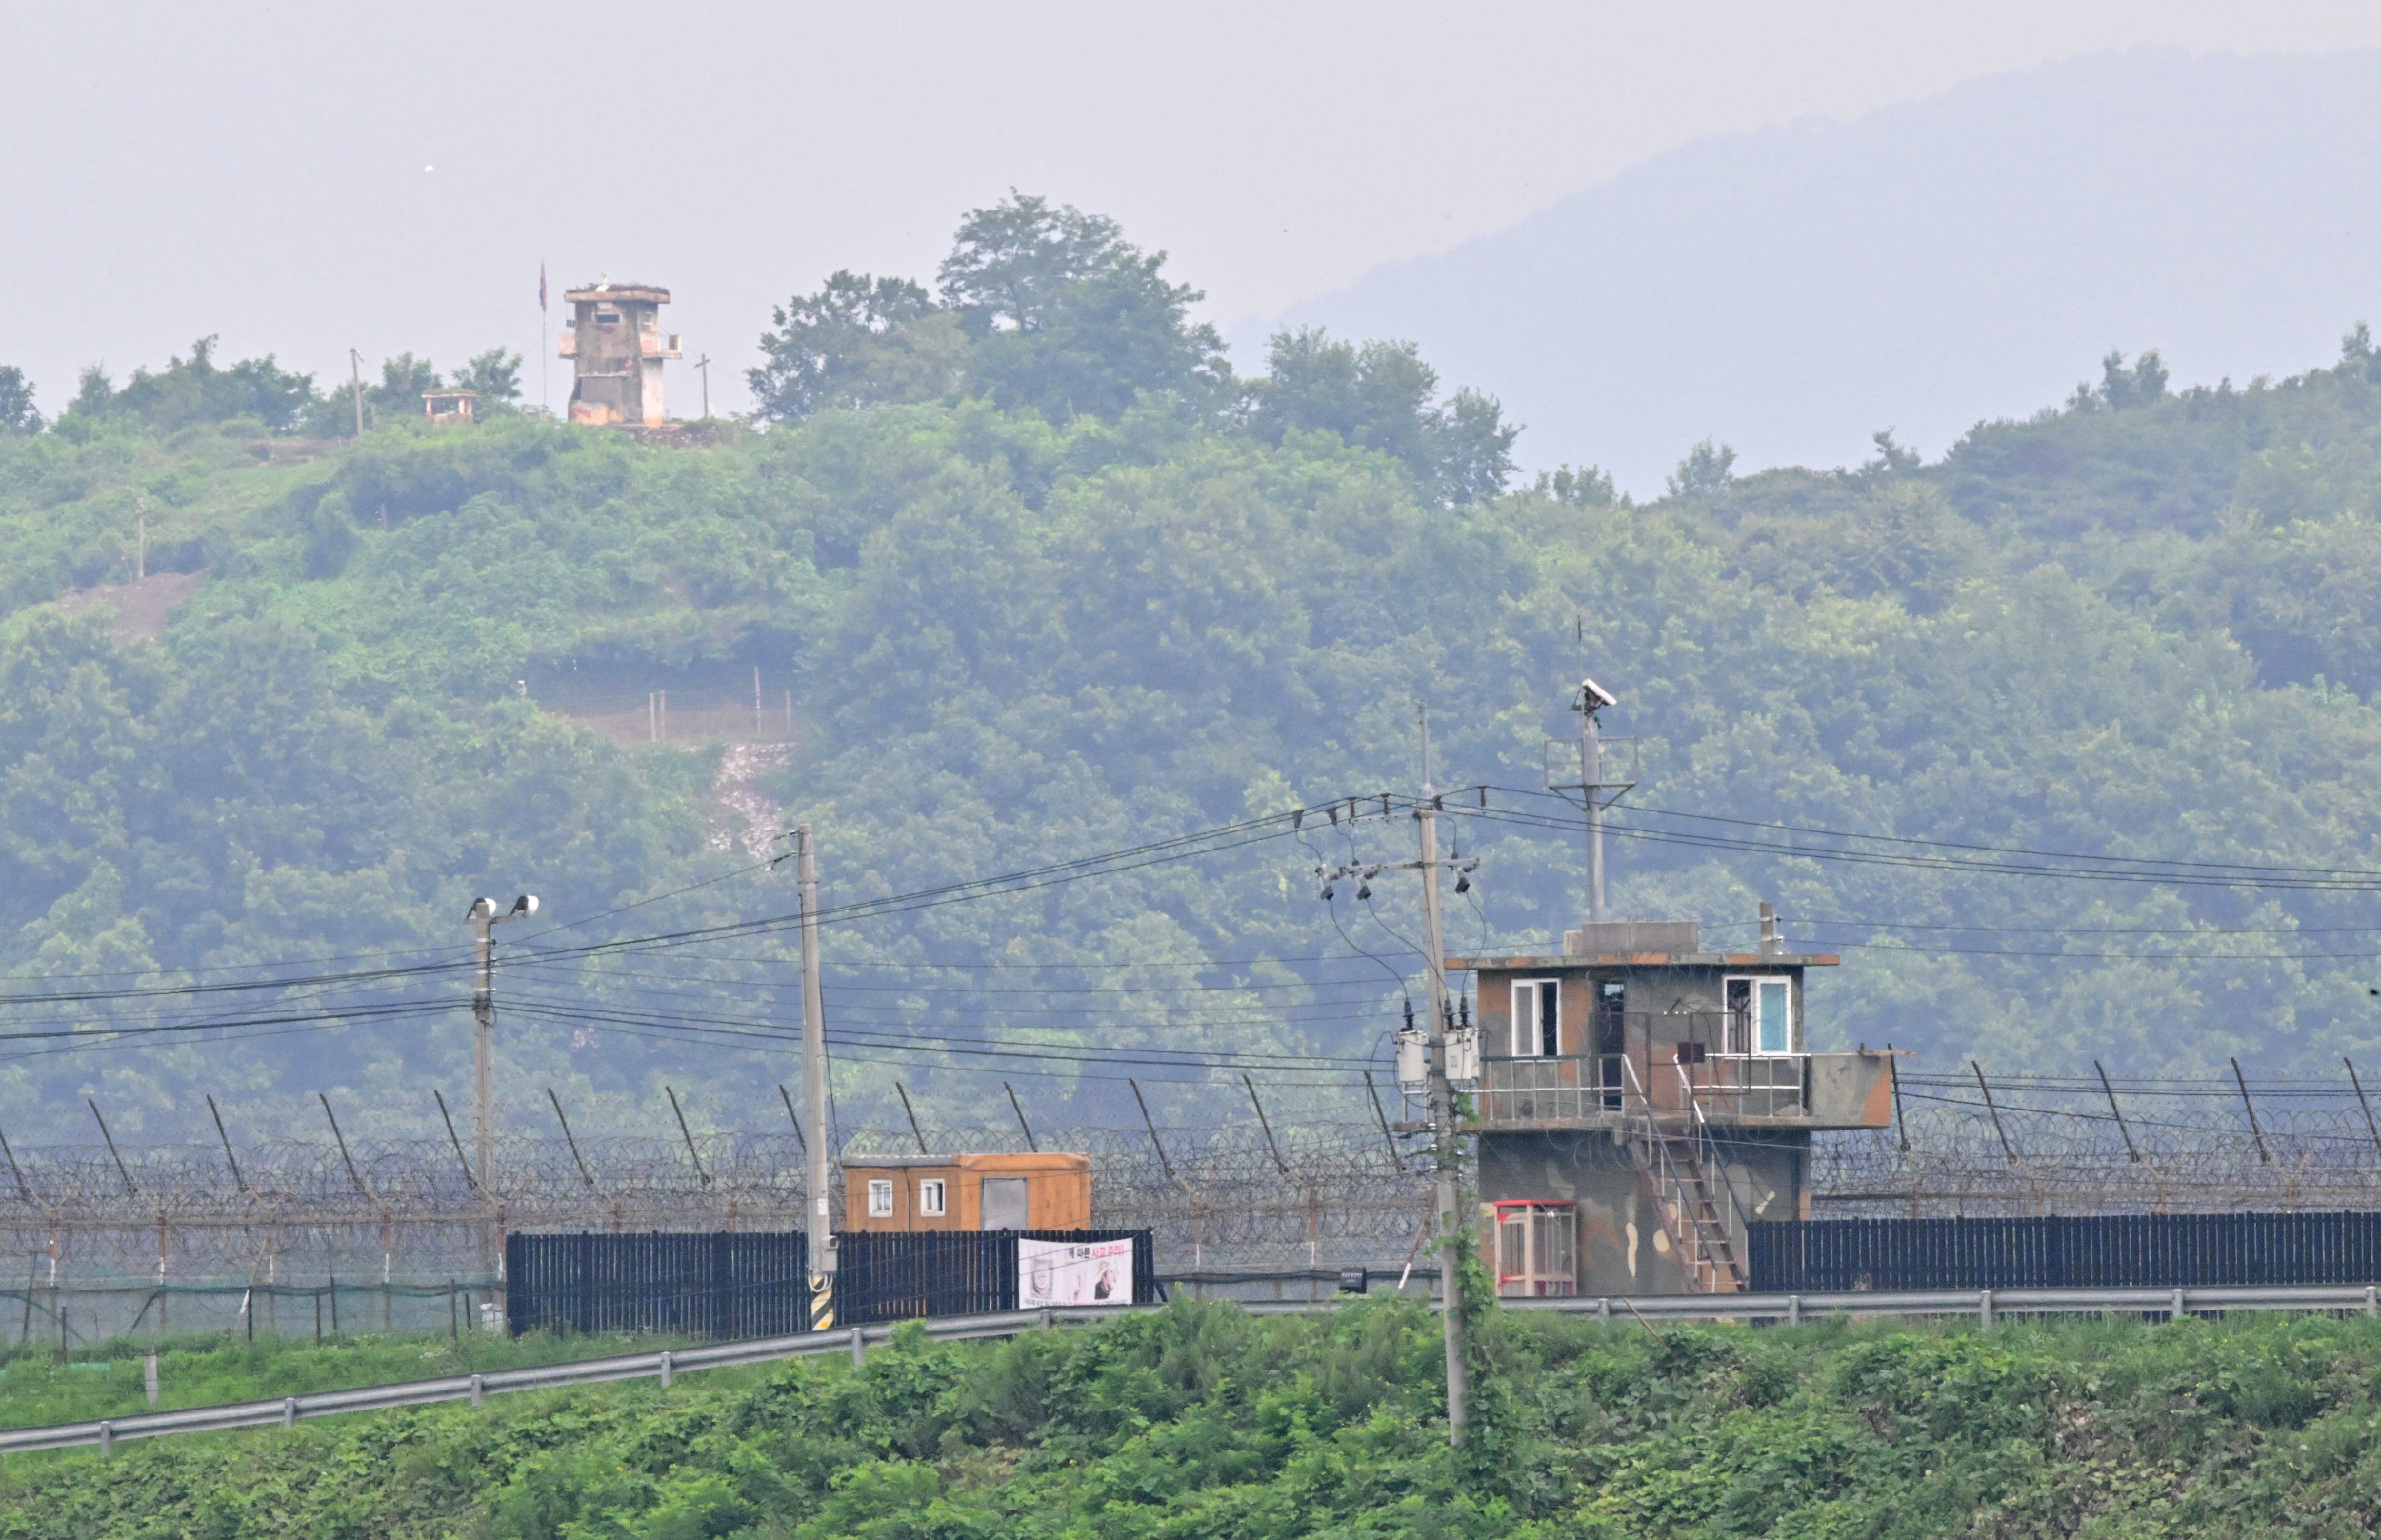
<point>541,288</point>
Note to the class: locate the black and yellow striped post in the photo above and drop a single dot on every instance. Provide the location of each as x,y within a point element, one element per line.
<point>822,1301</point>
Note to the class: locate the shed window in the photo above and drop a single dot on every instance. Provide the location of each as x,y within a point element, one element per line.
<point>1760,1015</point>
<point>880,1200</point>
<point>930,1197</point>
<point>1538,1018</point>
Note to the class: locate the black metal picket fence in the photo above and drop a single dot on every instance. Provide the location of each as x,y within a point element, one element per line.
<point>756,1285</point>
<point>907,1277</point>
<point>2061,1252</point>
<point>701,1284</point>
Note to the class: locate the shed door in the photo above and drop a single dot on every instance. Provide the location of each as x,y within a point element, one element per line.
<point>1004,1203</point>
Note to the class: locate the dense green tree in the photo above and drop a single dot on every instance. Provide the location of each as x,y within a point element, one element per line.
<point>404,380</point>
<point>2122,389</point>
<point>1707,469</point>
<point>16,402</point>
<point>860,341</point>
<point>1381,395</point>
<point>1068,317</point>
<point>196,390</point>
<point>495,376</point>
<point>1581,487</point>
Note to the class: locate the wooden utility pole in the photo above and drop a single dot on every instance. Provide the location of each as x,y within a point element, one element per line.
<point>1447,1145</point>
<point>355,362</point>
<point>703,367</point>
<point>821,1217</point>
<point>1451,1055</point>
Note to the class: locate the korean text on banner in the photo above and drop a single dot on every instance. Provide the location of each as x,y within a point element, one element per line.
<point>1071,1273</point>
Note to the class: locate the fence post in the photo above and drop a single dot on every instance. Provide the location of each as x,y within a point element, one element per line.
<point>668,1369</point>
<point>149,1380</point>
<point>2178,1304</point>
<point>1984,1308</point>
<point>1794,1310</point>
<point>288,1411</point>
<point>107,1437</point>
<point>859,1346</point>
<point>478,1389</point>
<point>2372,1299</point>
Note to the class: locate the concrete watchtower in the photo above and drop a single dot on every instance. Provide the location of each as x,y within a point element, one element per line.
<point>615,339</point>
<point>1641,1101</point>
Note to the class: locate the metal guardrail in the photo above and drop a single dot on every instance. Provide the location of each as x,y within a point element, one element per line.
<point>1986,1305</point>
<point>663,1366</point>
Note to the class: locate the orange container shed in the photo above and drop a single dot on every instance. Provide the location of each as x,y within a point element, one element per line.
<point>922,1193</point>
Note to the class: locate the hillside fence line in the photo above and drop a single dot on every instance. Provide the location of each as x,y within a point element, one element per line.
<point>390,1234</point>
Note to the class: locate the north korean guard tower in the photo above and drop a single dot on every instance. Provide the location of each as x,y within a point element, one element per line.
<point>1641,1099</point>
<point>616,343</point>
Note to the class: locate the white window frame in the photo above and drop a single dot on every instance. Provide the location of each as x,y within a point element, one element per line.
<point>1753,983</point>
<point>1525,988</point>
<point>933,1194</point>
<point>880,1199</point>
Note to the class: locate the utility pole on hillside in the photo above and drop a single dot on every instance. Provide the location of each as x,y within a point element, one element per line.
<point>484,917</point>
<point>1454,1054</point>
<point>355,364</point>
<point>703,367</point>
<point>821,1237</point>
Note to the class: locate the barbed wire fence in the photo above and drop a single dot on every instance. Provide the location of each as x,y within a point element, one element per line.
<point>300,1235</point>
<point>389,1234</point>
<point>1994,1145</point>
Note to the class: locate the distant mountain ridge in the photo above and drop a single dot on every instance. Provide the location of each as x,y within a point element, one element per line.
<point>1794,290</point>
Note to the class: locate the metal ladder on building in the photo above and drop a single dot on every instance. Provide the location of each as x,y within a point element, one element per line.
<point>1672,1164</point>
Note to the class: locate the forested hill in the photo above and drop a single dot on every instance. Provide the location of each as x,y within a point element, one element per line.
<point>1052,581</point>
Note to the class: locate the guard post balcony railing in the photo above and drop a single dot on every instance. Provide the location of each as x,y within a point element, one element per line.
<point>1589,1089</point>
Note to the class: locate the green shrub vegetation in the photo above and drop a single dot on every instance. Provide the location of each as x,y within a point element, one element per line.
<point>1202,1421</point>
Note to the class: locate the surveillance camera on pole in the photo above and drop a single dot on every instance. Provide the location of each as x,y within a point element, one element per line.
<point>1594,793</point>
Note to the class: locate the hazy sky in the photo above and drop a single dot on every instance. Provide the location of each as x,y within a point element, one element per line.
<point>263,170</point>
